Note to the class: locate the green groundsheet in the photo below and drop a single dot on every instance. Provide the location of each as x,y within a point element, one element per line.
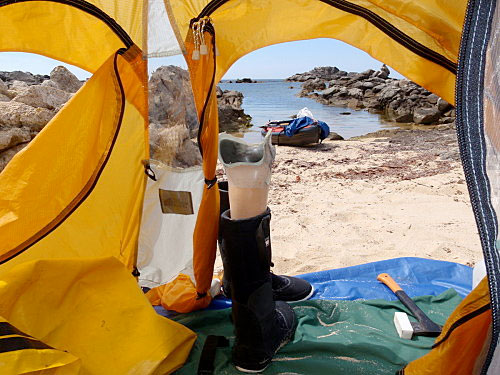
<point>332,337</point>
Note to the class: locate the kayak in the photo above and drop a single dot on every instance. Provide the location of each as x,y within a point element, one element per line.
<point>306,135</point>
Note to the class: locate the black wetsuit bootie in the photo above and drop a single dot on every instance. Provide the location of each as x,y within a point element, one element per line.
<point>262,325</point>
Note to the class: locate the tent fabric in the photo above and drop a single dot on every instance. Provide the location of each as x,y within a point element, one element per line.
<point>94,310</point>
<point>417,276</point>
<point>202,72</point>
<point>21,353</point>
<point>332,337</point>
<point>399,33</point>
<point>54,202</point>
<point>83,39</point>
<point>465,331</point>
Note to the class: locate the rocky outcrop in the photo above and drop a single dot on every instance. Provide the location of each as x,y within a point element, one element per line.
<point>28,102</point>
<point>171,99</point>
<point>64,80</point>
<point>231,116</point>
<point>26,77</point>
<point>245,80</point>
<point>400,101</point>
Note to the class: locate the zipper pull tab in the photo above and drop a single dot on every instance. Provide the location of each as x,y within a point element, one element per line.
<point>196,54</point>
<point>203,49</point>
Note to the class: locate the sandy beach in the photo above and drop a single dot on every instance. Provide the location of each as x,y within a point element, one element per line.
<point>394,193</point>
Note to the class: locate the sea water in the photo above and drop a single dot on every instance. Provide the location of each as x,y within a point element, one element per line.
<point>270,100</point>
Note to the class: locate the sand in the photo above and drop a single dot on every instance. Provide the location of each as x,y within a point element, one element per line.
<point>391,194</point>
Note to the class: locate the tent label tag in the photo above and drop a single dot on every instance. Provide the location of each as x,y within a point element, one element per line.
<point>176,202</point>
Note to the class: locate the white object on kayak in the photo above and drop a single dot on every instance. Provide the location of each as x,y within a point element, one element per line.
<point>305,112</point>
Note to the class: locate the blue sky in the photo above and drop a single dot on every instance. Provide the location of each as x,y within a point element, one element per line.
<point>278,61</point>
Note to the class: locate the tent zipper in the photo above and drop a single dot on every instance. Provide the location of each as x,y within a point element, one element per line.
<point>87,8</point>
<point>467,161</point>
<point>379,22</point>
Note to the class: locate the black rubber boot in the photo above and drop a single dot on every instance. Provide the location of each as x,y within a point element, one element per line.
<point>262,326</point>
<point>285,288</point>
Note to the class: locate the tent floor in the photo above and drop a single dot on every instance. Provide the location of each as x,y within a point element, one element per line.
<point>348,325</point>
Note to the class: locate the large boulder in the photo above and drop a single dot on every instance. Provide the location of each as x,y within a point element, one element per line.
<point>65,80</point>
<point>400,111</point>
<point>171,99</point>
<point>232,117</point>
<point>43,97</point>
<point>426,116</point>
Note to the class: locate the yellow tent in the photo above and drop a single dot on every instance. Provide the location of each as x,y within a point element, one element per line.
<point>74,196</point>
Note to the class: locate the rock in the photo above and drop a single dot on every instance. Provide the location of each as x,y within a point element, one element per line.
<point>325,73</point>
<point>11,137</point>
<point>450,113</point>
<point>426,116</point>
<point>25,77</point>
<point>173,146</point>
<point>8,154</point>
<point>432,98</point>
<point>355,93</point>
<point>329,91</point>
<point>3,87</point>
<point>446,120</point>
<point>11,94</point>
<point>65,80</point>
<point>399,111</point>
<point>313,85</point>
<point>43,96</point>
<point>388,93</point>
<point>49,83</point>
<point>384,72</point>
<point>171,99</point>
<point>336,137</point>
<point>368,85</point>
<point>17,114</point>
<point>18,86</point>
<point>443,105</point>
<point>4,98</point>
<point>245,80</point>
<point>355,103</point>
<point>378,88</point>
<point>231,116</point>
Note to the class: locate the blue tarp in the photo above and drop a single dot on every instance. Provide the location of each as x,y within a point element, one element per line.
<point>302,122</point>
<point>417,276</point>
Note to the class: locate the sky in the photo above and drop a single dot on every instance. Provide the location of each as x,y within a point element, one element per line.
<point>277,61</point>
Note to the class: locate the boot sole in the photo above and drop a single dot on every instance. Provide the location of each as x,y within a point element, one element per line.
<point>287,340</point>
<point>249,371</point>
<point>306,297</point>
